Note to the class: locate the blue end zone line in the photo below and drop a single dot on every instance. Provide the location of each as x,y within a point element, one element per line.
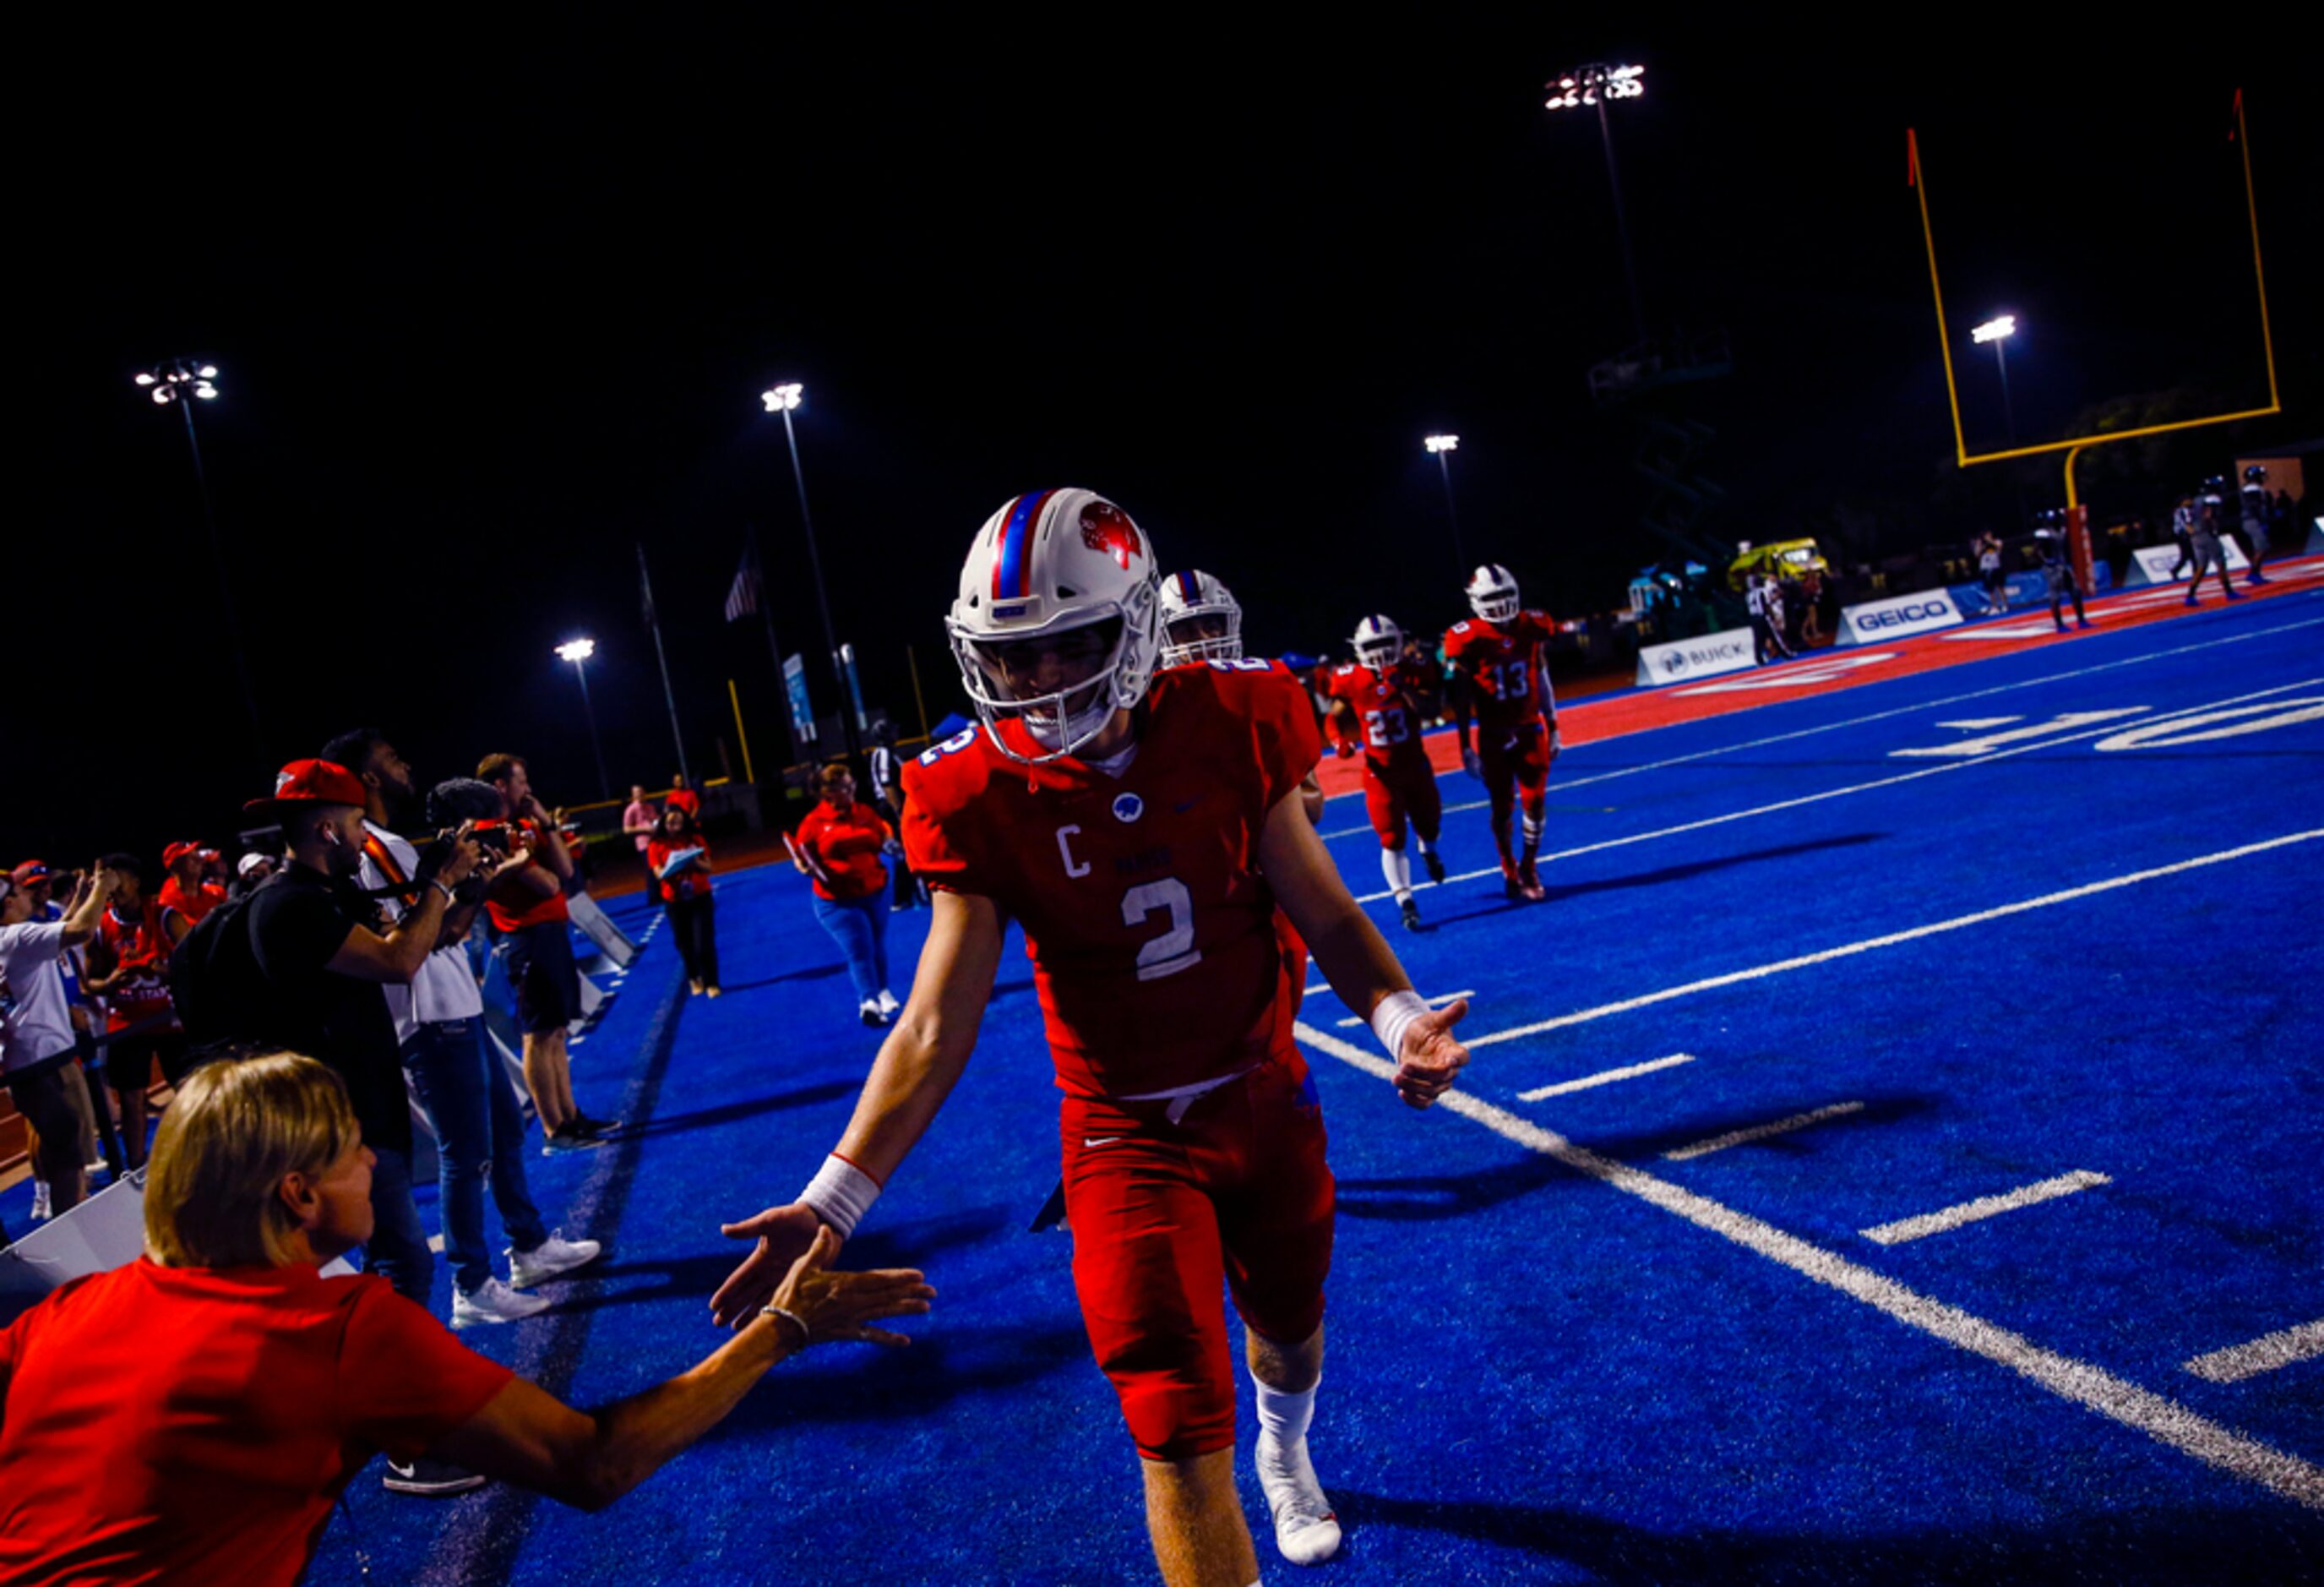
<point>1891,939</point>
<point>2161,1419</point>
<point>2116,722</point>
<point>1949,700</point>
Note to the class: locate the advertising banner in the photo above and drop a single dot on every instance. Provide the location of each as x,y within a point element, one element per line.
<point>1877,622</point>
<point>1687,659</point>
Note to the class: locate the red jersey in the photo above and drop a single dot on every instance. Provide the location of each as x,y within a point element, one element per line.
<point>138,943</point>
<point>683,883</point>
<point>1499,661</point>
<point>552,907</point>
<point>191,1425</point>
<point>1151,932</point>
<point>686,799</point>
<point>1387,714</point>
<point>843,849</point>
<point>206,896</point>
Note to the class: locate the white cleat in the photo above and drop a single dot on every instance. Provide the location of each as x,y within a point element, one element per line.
<point>1305,1530</point>
<point>888,1003</point>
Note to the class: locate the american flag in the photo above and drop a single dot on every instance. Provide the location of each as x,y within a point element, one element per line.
<point>743,600</point>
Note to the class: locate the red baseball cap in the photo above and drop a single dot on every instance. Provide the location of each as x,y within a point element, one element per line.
<point>30,872</point>
<point>176,852</point>
<point>312,782</point>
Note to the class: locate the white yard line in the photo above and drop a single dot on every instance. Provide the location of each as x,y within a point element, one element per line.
<point>1937,705</point>
<point>1984,1206</point>
<point>1957,923</point>
<point>2119,1400</point>
<point>1965,763</point>
<point>1603,1077</point>
<point>2266,1355</point>
<point>1703,1148</point>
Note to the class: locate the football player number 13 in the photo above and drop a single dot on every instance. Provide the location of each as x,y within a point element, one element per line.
<point>1175,949</point>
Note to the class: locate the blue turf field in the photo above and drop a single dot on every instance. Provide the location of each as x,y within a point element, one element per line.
<point>1560,1352</point>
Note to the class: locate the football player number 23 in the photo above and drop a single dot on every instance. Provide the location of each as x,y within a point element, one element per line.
<point>1385,727</point>
<point>1175,949</point>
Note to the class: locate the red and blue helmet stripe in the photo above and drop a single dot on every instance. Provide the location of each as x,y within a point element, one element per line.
<point>1188,591</point>
<point>1012,569</point>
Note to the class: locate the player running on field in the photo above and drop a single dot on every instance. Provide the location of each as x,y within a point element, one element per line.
<point>1500,663</point>
<point>1142,829</point>
<point>1374,707</point>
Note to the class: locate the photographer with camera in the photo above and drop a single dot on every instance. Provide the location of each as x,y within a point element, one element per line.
<point>526,904</point>
<point>439,1026</point>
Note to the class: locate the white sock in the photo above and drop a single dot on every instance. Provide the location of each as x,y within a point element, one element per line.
<point>1285,1417</point>
<point>1397,866</point>
<point>1533,825</point>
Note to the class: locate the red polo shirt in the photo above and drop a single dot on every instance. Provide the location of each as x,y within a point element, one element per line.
<point>193,1425</point>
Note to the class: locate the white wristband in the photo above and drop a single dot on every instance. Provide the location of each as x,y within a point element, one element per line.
<point>1394,1012</point>
<point>841,1193</point>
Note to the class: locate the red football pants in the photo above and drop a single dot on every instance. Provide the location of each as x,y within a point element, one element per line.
<point>1160,1212</point>
<point>1515,764</point>
<point>1412,797</point>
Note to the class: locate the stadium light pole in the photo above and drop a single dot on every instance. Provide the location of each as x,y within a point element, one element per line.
<point>183,382</point>
<point>782,399</point>
<point>1999,331</point>
<point>578,651</point>
<point>1593,86</point>
<point>1442,446</point>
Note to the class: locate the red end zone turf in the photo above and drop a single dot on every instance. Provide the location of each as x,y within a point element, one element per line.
<point>1828,671</point>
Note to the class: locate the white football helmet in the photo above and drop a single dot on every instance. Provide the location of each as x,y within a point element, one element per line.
<point>1378,642</point>
<point>1044,566</point>
<point>1190,600</point>
<point>1493,593</point>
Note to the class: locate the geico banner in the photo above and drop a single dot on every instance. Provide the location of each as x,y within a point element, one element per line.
<point>1878,621</point>
<point>1684,660</point>
<point>2152,564</point>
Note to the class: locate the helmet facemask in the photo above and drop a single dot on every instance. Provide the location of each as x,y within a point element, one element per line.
<point>1493,594</point>
<point>1203,634</point>
<point>1063,686</point>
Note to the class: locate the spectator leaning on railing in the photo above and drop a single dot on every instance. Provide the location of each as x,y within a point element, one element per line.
<point>36,1032</point>
<point>190,1417</point>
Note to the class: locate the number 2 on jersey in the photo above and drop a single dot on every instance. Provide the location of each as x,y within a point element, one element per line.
<point>1175,949</point>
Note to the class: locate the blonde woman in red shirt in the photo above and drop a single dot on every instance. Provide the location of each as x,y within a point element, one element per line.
<point>190,1417</point>
<point>838,848</point>
<point>677,860</point>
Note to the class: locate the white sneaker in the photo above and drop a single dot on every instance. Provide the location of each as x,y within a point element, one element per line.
<point>551,1256</point>
<point>39,1201</point>
<point>494,1302</point>
<point>1305,1530</point>
<point>888,1003</point>
<point>873,1013</point>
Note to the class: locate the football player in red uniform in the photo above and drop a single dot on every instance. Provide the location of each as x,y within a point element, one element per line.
<point>1142,829</point>
<point>1500,675</point>
<point>1374,708</point>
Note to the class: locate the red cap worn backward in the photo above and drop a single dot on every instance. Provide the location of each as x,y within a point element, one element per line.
<point>30,872</point>
<point>312,782</point>
<point>176,852</point>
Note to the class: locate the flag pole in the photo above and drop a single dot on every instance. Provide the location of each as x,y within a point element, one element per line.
<point>774,649</point>
<point>653,622</point>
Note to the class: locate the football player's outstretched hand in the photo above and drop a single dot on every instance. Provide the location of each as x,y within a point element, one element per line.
<point>1471,765</point>
<point>784,1235</point>
<point>1432,1059</point>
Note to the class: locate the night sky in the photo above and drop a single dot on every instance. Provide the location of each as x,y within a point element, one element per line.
<point>490,308</point>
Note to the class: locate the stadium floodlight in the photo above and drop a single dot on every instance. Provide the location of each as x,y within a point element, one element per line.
<point>578,651</point>
<point>1994,330</point>
<point>166,383</point>
<point>1999,331</point>
<point>781,400</point>
<point>1593,86</point>
<point>1440,447</point>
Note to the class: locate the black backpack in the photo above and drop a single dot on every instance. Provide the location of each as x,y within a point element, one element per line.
<point>215,977</point>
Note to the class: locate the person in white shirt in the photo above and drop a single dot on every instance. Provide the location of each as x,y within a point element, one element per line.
<point>36,1032</point>
<point>440,1026</point>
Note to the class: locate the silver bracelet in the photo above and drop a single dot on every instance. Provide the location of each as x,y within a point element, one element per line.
<point>771,1310</point>
<point>437,883</point>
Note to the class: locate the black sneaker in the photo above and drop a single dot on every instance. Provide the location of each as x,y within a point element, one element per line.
<point>1436,863</point>
<point>430,1479</point>
<point>1411,915</point>
<point>589,1126</point>
<point>572,1137</point>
